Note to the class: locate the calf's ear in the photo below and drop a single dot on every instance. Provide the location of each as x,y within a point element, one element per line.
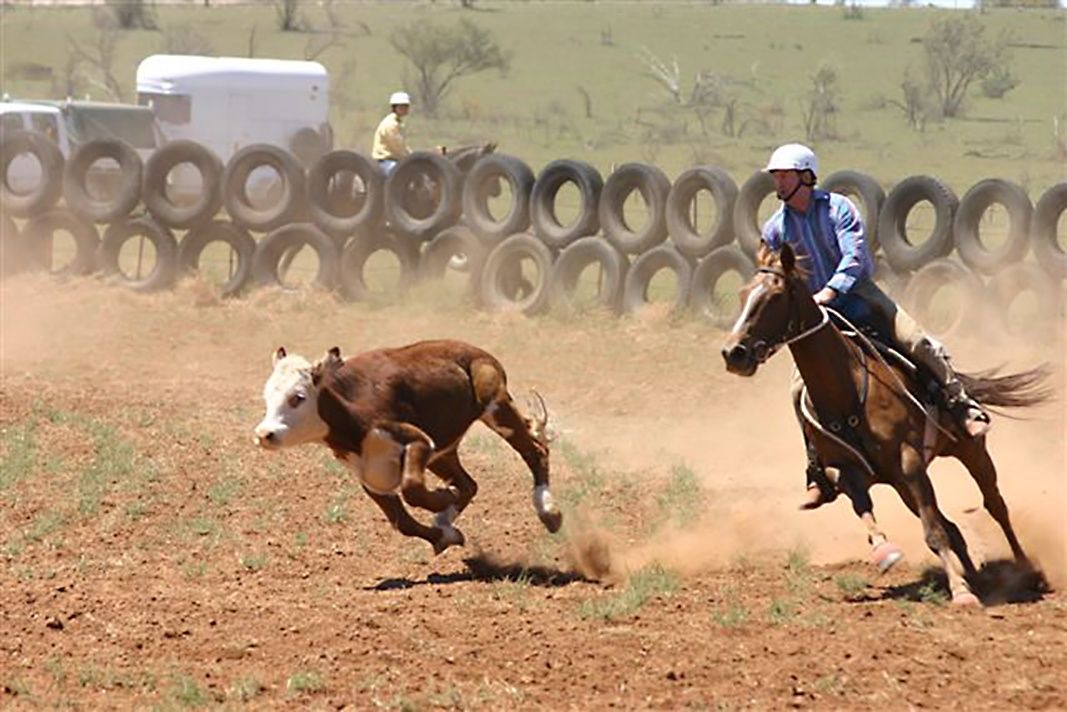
<point>278,356</point>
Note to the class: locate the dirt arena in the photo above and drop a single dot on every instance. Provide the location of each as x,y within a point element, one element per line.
<point>151,556</point>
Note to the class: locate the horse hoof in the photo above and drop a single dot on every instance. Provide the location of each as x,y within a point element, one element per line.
<point>885,555</point>
<point>965,599</point>
<point>445,518</point>
<point>450,536</point>
<point>552,519</point>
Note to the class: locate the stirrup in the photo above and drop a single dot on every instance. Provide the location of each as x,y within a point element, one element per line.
<point>817,497</point>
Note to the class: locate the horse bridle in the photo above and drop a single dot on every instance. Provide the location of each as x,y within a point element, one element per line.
<point>761,349</point>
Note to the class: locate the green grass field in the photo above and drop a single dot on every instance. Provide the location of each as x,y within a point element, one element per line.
<point>560,50</point>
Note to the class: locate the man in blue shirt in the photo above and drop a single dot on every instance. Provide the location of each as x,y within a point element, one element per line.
<point>827,234</point>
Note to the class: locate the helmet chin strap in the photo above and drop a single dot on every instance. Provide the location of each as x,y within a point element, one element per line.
<point>800,184</point>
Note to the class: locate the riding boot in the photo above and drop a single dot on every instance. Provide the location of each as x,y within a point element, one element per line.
<point>967,411</point>
<point>820,490</point>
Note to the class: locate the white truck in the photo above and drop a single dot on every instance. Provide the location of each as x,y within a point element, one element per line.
<point>70,123</point>
<point>226,103</point>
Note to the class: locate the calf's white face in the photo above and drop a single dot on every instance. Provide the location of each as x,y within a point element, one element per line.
<point>292,416</point>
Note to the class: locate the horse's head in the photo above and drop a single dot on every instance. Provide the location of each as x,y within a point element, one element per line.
<point>776,308</point>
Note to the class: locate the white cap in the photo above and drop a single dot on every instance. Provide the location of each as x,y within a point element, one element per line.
<point>793,157</point>
<point>399,97</point>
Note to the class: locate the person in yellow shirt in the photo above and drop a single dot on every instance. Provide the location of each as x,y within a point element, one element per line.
<point>389,143</point>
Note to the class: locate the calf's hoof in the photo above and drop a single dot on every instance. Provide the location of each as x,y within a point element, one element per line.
<point>885,555</point>
<point>965,599</point>
<point>552,519</point>
<point>450,536</point>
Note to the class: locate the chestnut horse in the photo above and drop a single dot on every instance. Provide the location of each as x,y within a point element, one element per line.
<point>872,421</point>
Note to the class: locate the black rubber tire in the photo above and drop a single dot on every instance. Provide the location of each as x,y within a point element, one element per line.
<point>543,198</point>
<point>13,256</point>
<point>973,205</point>
<point>164,272</point>
<point>654,186</point>
<point>308,145</point>
<point>1006,285</point>
<point>76,176</point>
<point>50,187</point>
<point>447,210</point>
<point>854,184</point>
<point>746,211</point>
<point>889,280</point>
<point>194,242</point>
<point>902,255</point>
<point>499,287</point>
<point>728,258</point>
<point>38,232</point>
<point>684,235</point>
<point>354,261</point>
<point>290,205</point>
<point>579,255</point>
<point>933,275</point>
<point>456,240</point>
<point>154,193</point>
<point>271,249</point>
<point>1047,250</point>
<point>645,267</point>
<point>479,186</point>
<point>338,220</point>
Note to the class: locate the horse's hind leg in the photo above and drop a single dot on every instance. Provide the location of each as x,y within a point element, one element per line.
<point>942,536</point>
<point>884,554</point>
<point>976,459</point>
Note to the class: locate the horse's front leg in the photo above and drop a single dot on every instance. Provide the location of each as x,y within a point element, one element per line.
<point>856,486</point>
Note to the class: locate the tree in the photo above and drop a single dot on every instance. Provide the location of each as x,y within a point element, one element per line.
<point>289,17</point>
<point>823,103</point>
<point>440,56</point>
<point>132,14</point>
<point>957,54</point>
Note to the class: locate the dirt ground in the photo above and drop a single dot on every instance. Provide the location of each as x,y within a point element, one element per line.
<point>151,556</point>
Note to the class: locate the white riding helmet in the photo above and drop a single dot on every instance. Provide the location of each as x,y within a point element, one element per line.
<point>399,98</point>
<point>793,157</point>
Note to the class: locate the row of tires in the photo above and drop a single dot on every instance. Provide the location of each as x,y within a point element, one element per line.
<point>344,194</point>
<point>519,273</point>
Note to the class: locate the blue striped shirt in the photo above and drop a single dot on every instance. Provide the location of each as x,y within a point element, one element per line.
<point>828,240</point>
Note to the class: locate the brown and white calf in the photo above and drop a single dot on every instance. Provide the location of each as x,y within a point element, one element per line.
<point>391,414</point>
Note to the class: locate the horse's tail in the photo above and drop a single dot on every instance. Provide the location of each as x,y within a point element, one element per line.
<point>1013,390</point>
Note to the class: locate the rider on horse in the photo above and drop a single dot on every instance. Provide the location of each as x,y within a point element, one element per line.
<point>827,233</point>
